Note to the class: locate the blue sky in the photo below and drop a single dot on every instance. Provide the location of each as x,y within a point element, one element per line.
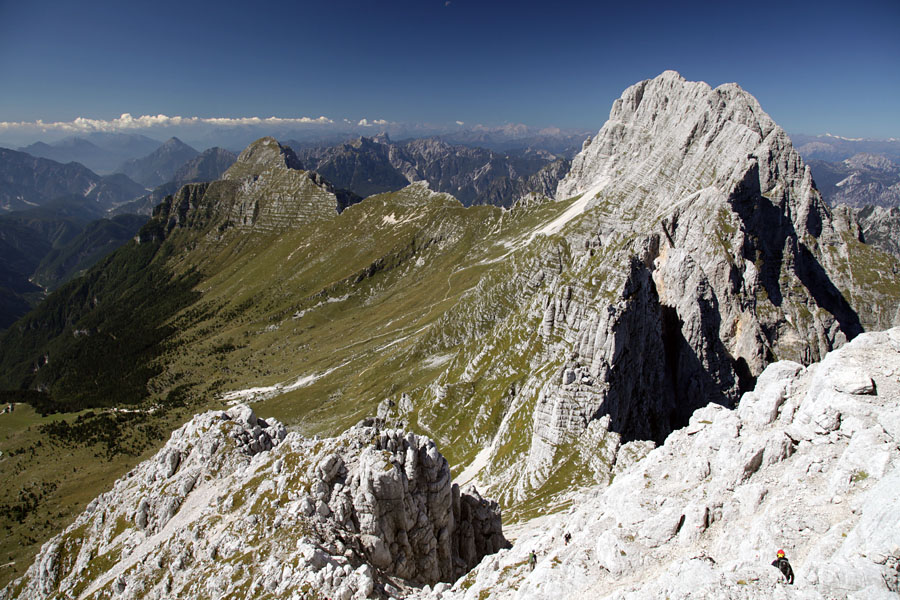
<point>815,67</point>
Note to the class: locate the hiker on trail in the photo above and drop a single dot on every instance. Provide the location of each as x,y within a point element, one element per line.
<point>784,566</point>
<point>532,560</point>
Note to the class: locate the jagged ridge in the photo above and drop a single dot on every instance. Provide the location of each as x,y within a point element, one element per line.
<point>235,504</point>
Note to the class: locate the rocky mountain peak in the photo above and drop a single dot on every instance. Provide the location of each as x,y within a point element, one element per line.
<point>159,166</point>
<point>713,255</point>
<point>263,154</point>
<point>173,143</point>
<point>871,162</point>
<point>672,137</point>
<point>265,189</point>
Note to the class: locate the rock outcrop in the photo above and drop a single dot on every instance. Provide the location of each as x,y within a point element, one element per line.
<point>233,503</point>
<point>808,462</point>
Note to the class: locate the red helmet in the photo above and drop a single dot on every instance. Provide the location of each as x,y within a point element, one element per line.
<point>780,553</point>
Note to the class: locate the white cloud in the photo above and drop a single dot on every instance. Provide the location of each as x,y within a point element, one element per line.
<point>460,123</point>
<point>129,122</point>
<point>368,123</point>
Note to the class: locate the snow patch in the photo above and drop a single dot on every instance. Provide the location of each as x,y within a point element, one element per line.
<point>471,472</point>
<point>263,393</point>
<point>576,209</point>
<point>438,360</point>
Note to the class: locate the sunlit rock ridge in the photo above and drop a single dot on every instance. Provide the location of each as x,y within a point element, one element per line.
<point>234,505</point>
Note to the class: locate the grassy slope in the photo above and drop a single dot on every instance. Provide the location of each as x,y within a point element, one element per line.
<point>48,482</point>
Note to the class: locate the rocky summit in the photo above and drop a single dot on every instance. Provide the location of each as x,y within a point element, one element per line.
<point>235,506</point>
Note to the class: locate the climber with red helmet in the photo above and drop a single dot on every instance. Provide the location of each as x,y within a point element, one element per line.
<point>784,566</point>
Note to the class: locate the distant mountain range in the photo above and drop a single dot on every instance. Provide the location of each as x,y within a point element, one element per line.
<point>28,182</point>
<point>49,228</point>
<point>861,180</point>
<point>62,218</point>
<point>101,152</point>
<point>159,166</point>
<point>519,138</point>
<point>834,148</point>
<point>374,165</point>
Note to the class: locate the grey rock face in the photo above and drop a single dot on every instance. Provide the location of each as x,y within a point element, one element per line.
<point>803,464</point>
<point>415,523</point>
<point>262,155</point>
<point>719,204</point>
<point>880,227</point>
<point>733,214</point>
<point>235,502</point>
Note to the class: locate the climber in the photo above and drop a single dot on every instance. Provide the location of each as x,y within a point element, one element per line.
<point>784,566</point>
<point>532,560</point>
<point>567,537</point>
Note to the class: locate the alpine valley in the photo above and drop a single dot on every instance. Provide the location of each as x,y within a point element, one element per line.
<point>667,355</point>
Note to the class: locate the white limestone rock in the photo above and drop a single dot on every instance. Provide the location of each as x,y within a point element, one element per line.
<point>703,514</point>
<point>235,502</point>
